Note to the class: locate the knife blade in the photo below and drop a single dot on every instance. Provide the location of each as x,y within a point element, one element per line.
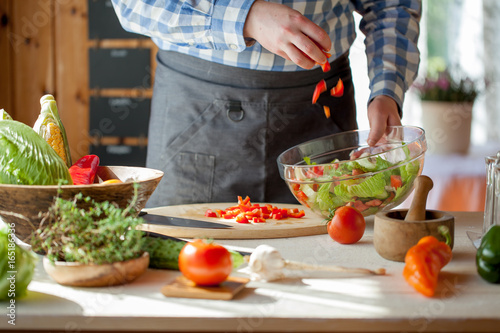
<point>182,222</point>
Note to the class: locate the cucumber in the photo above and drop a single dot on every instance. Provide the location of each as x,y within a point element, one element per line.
<point>164,252</point>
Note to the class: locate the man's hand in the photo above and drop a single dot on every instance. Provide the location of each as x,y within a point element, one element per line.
<point>287,33</point>
<point>382,112</point>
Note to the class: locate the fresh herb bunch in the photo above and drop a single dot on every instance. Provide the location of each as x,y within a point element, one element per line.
<point>99,234</point>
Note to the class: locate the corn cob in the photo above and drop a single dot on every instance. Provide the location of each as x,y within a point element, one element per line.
<point>49,126</point>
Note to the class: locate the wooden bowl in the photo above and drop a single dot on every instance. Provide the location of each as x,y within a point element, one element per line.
<point>393,236</point>
<point>28,201</point>
<point>81,275</point>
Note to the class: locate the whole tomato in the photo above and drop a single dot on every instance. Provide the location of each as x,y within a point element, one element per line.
<point>205,263</point>
<point>347,225</point>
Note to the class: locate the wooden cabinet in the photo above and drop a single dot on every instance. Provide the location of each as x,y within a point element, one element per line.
<point>46,48</point>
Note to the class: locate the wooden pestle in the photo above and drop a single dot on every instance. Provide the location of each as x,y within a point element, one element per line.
<point>416,212</point>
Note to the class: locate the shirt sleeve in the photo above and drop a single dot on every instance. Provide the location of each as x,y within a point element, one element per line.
<point>392,30</point>
<point>216,24</point>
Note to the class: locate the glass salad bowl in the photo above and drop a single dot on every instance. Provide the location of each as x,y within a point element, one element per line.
<point>343,170</point>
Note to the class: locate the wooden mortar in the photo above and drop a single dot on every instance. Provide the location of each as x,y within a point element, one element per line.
<point>396,231</point>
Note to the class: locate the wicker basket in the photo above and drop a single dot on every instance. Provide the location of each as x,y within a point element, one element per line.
<point>21,205</point>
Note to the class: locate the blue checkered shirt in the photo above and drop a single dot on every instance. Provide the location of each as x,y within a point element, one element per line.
<point>213,30</point>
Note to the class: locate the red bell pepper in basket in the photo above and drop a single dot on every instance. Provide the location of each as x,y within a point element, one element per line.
<point>84,170</point>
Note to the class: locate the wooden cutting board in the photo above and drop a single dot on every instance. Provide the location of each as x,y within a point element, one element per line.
<point>182,287</point>
<point>310,224</point>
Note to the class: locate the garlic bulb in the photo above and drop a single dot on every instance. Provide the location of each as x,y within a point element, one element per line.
<point>267,264</point>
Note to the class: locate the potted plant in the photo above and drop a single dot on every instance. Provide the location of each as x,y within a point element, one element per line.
<point>447,97</point>
<point>91,247</point>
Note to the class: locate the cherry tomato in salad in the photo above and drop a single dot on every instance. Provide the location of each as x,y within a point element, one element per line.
<point>205,263</point>
<point>347,225</point>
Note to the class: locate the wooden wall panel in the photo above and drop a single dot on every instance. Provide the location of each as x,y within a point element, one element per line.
<point>44,49</point>
<point>5,57</point>
<point>71,59</point>
<point>32,47</point>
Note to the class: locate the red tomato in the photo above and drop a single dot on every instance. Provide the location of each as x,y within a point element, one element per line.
<point>347,226</point>
<point>205,263</point>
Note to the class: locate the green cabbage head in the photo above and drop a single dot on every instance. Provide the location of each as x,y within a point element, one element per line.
<point>27,159</point>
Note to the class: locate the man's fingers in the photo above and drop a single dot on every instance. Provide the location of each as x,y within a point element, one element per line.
<point>376,133</point>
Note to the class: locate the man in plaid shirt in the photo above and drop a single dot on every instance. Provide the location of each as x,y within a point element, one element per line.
<point>235,78</point>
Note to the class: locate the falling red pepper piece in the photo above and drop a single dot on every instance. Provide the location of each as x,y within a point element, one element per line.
<point>320,88</point>
<point>84,170</point>
<point>327,111</point>
<point>338,90</point>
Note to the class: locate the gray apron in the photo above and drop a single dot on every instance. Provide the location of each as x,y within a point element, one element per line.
<point>216,131</point>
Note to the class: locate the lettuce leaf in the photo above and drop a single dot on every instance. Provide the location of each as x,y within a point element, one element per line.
<point>327,200</point>
<point>409,171</point>
<point>371,187</point>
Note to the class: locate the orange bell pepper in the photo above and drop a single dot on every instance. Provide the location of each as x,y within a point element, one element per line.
<point>424,261</point>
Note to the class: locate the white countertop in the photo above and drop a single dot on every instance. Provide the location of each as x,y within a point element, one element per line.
<point>342,303</point>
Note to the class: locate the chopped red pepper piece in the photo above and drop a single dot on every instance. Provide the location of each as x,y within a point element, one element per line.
<point>326,67</point>
<point>84,170</point>
<point>338,90</point>
<point>246,212</point>
<point>373,203</point>
<point>327,111</point>
<point>241,218</point>
<point>302,196</point>
<point>258,220</point>
<point>210,213</point>
<point>396,181</point>
<point>320,88</point>
<point>298,214</point>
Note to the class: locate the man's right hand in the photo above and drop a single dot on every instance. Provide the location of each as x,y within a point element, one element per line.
<point>287,33</point>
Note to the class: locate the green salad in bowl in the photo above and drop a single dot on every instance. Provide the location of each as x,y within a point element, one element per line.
<point>342,170</point>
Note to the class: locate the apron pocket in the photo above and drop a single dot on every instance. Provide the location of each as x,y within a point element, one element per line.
<point>197,181</point>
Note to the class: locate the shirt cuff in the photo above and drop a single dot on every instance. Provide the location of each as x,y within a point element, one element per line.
<point>228,20</point>
<point>388,84</point>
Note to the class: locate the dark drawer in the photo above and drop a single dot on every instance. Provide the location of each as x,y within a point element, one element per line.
<point>123,117</point>
<point>123,68</point>
<point>120,155</point>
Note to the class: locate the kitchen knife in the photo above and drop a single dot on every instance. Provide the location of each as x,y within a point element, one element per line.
<point>182,222</point>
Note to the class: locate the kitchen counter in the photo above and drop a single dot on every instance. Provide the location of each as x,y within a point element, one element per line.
<point>341,303</point>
